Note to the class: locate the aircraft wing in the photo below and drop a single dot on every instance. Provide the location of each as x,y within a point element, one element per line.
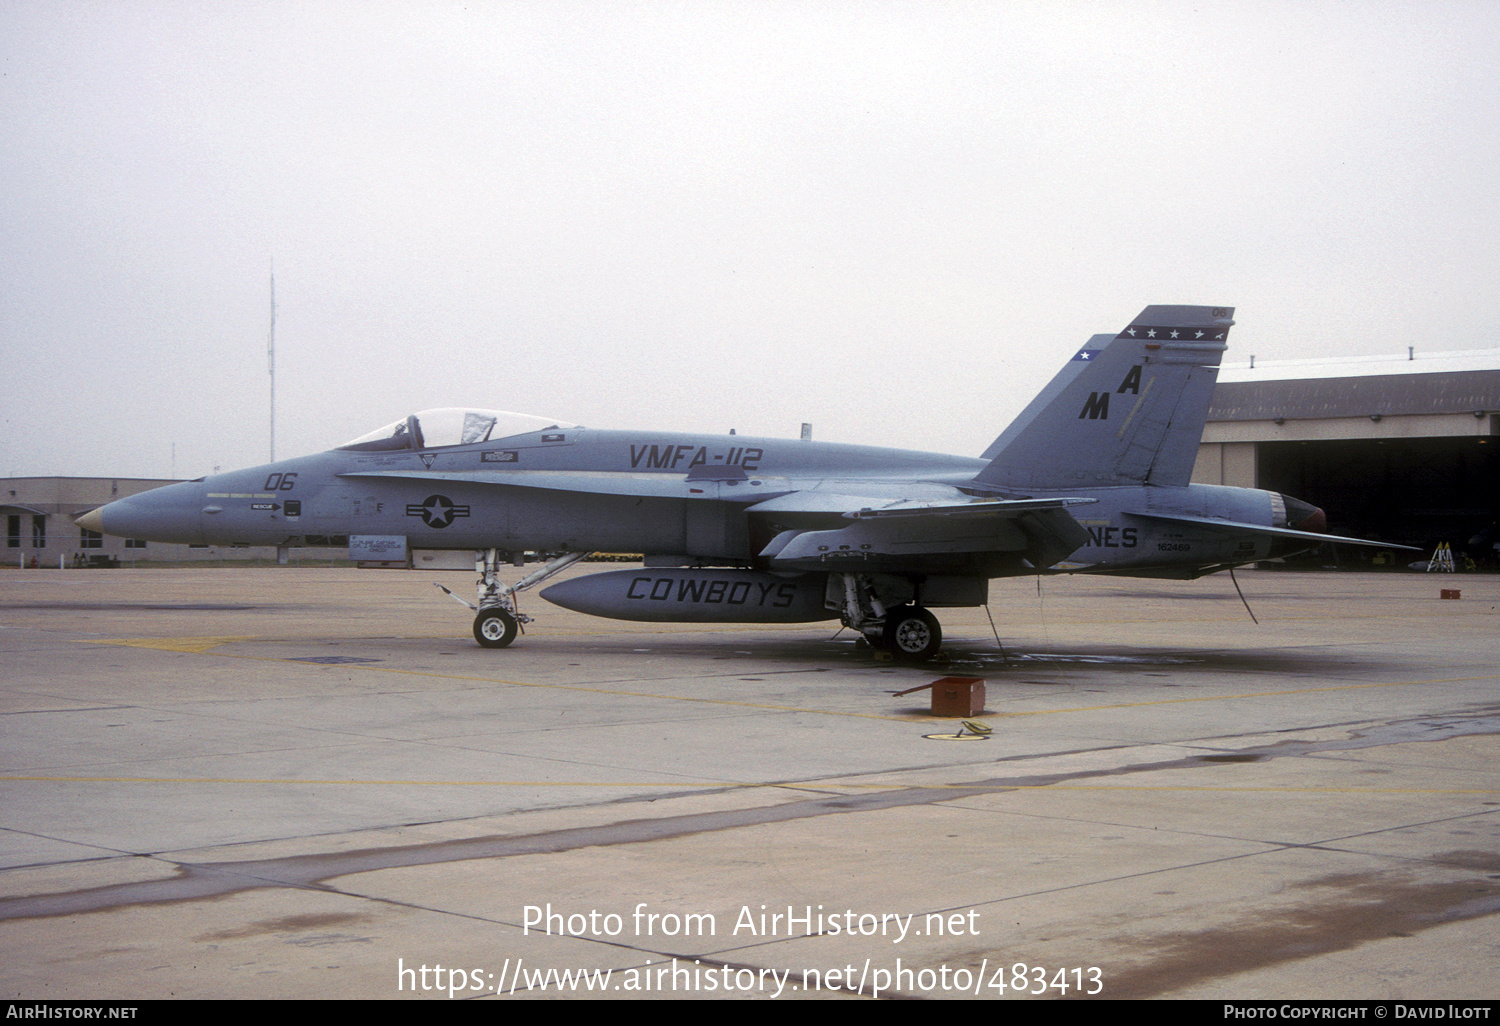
<point>976,508</point>
<point>1236,527</point>
<point>886,533</point>
<point>860,507</point>
<point>785,497</point>
<point>923,534</point>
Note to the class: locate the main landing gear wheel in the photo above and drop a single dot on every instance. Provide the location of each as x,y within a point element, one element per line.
<point>494,628</point>
<point>912,633</point>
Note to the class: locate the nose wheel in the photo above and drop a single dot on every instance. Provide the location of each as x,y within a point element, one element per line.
<point>494,628</point>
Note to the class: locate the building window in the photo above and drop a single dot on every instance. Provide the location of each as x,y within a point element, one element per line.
<point>90,539</point>
<point>135,543</point>
<point>39,532</point>
<point>13,531</point>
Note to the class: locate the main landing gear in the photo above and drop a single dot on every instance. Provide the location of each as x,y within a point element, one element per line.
<point>912,633</point>
<point>908,632</point>
<point>497,620</point>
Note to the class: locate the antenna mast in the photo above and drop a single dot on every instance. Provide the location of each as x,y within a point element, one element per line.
<point>271,360</point>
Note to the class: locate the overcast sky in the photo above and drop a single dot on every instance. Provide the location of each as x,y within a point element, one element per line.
<point>894,220</point>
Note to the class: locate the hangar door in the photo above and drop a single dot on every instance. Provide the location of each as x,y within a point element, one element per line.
<point>1417,490</point>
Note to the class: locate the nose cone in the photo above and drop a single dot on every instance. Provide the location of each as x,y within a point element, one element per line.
<point>93,520</point>
<point>170,514</point>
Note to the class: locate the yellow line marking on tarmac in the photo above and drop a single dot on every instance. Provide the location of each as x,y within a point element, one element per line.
<point>195,645</point>
<point>782,785</point>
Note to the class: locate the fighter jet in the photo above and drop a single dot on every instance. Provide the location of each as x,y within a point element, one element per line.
<point>1092,477</point>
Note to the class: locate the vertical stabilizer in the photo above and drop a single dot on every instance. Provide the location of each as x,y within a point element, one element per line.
<point>1126,410</point>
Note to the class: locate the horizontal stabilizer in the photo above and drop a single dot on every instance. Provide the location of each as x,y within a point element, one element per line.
<point>1236,527</point>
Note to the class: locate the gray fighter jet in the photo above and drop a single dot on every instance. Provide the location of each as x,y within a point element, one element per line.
<point>1093,477</point>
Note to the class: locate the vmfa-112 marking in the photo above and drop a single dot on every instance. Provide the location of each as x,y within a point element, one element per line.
<point>1093,477</point>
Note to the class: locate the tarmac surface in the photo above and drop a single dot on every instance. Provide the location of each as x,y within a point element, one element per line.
<point>312,783</point>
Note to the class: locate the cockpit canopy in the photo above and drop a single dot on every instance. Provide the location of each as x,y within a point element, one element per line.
<point>453,425</point>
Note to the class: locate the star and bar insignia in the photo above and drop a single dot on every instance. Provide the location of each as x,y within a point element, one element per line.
<point>436,511</point>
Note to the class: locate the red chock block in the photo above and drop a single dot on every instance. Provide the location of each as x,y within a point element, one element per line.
<point>1451,593</point>
<point>958,696</point>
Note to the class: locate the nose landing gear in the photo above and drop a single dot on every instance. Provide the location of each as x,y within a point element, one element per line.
<point>497,620</point>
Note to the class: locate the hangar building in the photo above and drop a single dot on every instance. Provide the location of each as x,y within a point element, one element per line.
<point>1398,448</point>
